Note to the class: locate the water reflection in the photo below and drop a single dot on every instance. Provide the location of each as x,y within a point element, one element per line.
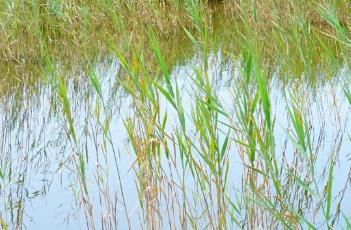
<point>40,186</point>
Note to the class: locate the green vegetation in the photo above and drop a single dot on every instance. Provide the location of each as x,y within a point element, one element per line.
<point>232,114</point>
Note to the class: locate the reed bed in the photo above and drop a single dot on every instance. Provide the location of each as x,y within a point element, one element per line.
<point>216,114</point>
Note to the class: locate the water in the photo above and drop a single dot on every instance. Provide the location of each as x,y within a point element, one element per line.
<point>40,185</point>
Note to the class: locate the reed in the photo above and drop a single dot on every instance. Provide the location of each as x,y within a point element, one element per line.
<point>208,144</point>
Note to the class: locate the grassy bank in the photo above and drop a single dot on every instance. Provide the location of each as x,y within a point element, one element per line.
<point>305,34</point>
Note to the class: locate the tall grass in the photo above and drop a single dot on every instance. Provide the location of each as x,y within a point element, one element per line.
<point>186,142</point>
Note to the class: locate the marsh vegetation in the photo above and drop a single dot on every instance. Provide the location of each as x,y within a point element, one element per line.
<point>175,114</point>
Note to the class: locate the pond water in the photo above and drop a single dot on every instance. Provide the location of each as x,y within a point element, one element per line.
<point>41,185</point>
